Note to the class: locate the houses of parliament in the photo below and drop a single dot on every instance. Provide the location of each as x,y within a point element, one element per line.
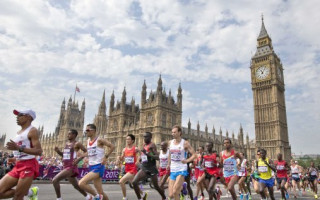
<point>158,111</point>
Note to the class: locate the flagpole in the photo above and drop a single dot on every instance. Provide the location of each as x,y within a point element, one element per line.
<point>74,96</point>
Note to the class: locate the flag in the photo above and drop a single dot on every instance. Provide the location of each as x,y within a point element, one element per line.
<point>77,89</point>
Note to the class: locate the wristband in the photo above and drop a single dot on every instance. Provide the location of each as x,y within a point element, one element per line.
<point>21,148</point>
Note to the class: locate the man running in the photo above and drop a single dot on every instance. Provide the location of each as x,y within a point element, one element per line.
<point>163,162</point>
<point>97,159</point>
<point>198,174</point>
<point>313,178</point>
<point>178,162</point>
<point>26,146</point>
<point>129,156</point>
<point>70,161</point>
<point>148,156</point>
<point>264,166</point>
<point>282,177</point>
<point>210,162</point>
<point>242,173</point>
<point>230,170</point>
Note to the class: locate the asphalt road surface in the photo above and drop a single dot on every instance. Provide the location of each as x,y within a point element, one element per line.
<point>46,192</point>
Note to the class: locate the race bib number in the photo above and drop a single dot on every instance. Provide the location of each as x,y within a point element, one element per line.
<point>280,167</point>
<point>176,156</point>
<point>16,154</point>
<point>263,169</point>
<point>144,158</point>
<point>92,151</point>
<point>66,154</point>
<point>208,164</point>
<point>295,175</point>
<point>229,165</point>
<point>129,160</point>
<point>163,163</point>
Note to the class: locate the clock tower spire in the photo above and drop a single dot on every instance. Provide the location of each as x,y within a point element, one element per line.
<point>268,88</point>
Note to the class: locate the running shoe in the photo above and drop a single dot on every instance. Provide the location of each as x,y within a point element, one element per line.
<point>316,196</point>
<point>145,196</point>
<point>241,196</point>
<point>287,195</point>
<point>202,197</point>
<point>98,197</point>
<point>35,191</point>
<point>181,197</point>
<point>247,196</point>
<point>300,193</point>
<point>195,198</point>
<point>250,197</point>
<point>184,188</point>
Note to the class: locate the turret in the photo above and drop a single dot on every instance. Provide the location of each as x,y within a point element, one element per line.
<point>206,131</point>
<point>233,140</point>
<point>247,140</point>
<point>198,129</point>
<point>63,105</point>
<point>83,106</point>
<point>102,108</point>
<point>227,134</point>
<point>213,134</point>
<point>189,127</point>
<point>124,97</point>
<point>111,107</point>
<point>179,96</point>
<point>220,133</point>
<point>70,102</point>
<point>144,93</point>
<point>170,100</point>
<point>132,105</point>
<point>159,88</point>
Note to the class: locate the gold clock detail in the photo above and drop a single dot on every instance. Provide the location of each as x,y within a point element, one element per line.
<point>262,72</point>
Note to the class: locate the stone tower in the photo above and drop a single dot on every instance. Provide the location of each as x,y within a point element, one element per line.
<point>160,112</point>
<point>100,120</point>
<point>71,117</point>
<point>268,88</point>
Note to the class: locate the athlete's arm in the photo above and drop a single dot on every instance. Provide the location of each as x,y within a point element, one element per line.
<point>270,164</point>
<point>77,147</point>
<point>108,144</point>
<point>56,149</point>
<point>169,156</point>
<point>153,152</point>
<point>34,138</point>
<point>189,148</point>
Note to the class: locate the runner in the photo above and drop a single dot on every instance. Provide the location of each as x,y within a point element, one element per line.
<point>264,166</point>
<point>97,160</point>
<point>26,146</point>
<point>186,186</point>
<point>313,178</point>
<point>129,157</point>
<point>295,174</point>
<point>178,162</point>
<point>210,162</point>
<point>198,174</point>
<point>242,173</point>
<point>163,162</point>
<point>148,156</point>
<point>230,171</point>
<point>70,170</point>
<point>282,177</point>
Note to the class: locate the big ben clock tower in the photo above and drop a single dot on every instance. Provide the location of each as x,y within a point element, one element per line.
<point>268,88</point>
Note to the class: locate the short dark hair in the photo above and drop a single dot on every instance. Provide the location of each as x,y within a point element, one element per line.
<point>92,126</point>
<point>178,127</point>
<point>263,150</point>
<point>149,133</point>
<point>131,136</point>
<point>228,140</point>
<point>74,132</point>
<point>210,142</point>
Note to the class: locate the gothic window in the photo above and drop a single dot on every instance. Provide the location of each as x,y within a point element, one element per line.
<point>149,119</point>
<point>173,120</point>
<point>115,125</point>
<point>164,119</point>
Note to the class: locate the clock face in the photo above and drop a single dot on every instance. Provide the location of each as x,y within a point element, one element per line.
<point>262,72</point>
<point>279,73</point>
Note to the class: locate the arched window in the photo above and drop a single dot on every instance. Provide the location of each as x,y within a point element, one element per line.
<point>164,119</point>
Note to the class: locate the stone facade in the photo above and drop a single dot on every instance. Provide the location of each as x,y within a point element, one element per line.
<point>268,88</point>
<point>156,113</point>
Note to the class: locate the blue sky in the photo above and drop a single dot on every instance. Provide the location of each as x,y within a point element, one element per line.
<point>47,47</point>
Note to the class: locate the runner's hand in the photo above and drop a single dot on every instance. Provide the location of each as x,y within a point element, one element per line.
<point>184,161</point>
<point>11,145</point>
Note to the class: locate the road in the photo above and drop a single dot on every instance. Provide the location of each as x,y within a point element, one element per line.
<point>113,191</point>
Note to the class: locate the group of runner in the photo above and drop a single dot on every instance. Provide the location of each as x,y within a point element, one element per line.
<point>176,158</point>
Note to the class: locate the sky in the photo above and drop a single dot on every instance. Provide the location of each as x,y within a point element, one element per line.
<point>49,47</point>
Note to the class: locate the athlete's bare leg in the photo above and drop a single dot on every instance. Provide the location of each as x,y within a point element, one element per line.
<point>175,187</point>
